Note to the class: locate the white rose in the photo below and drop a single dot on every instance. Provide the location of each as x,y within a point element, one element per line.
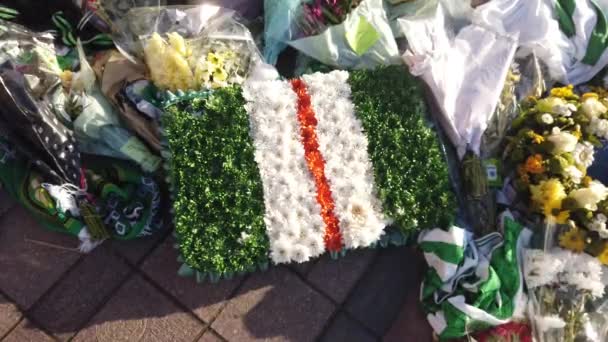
<point>563,142</point>
<point>593,108</point>
<point>574,174</point>
<point>546,118</point>
<point>584,154</point>
<point>588,198</point>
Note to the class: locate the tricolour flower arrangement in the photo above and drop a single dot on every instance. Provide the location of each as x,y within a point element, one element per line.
<point>551,149</point>
<point>284,171</point>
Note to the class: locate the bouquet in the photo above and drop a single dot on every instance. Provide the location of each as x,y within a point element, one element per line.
<point>564,288</point>
<point>351,34</point>
<point>550,148</point>
<point>284,171</point>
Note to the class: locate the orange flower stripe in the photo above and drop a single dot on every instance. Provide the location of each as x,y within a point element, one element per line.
<point>316,166</point>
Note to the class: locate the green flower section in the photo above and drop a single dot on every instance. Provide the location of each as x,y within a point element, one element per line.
<point>410,170</point>
<point>218,204</point>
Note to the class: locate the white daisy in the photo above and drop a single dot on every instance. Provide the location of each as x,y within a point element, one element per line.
<point>583,154</point>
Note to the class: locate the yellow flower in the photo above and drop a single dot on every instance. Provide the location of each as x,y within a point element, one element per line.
<point>563,92</point>
<point>603,256</point>
<point>215,59</point>
<point>590,96</point>
<point>574,240</point>
<point>549,195</point>
<point>536,138</point>
<point>534,164</point>
<point>577,134</point>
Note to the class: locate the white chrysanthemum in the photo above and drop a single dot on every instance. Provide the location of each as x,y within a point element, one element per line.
<point>541,268</point>
<point>598,224</point>
<point>546,323</point>
<point>583,154</point>
<point>280,251</point>
<point>547,119</point>
<point>585,273</point>
<point>315,245</point>
<point>300,253</point>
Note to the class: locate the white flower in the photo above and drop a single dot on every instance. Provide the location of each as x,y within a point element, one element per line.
<point>599,127</point>
<point>280,251</point>
<point>588,198</point>
<point>585,273</point>
<point>592,107</point>
<point>574,174</point>
<point>564,109</point>
<point>598,224</point>
<point>541,268</point>
<point>583,154</point>
<point>546,118</point>
<point>563,142</point>
<point>300,253</point>
<point>546,323</point>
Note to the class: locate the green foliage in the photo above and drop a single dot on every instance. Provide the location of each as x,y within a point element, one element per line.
<point>217,187</point>
<point>409,167</point>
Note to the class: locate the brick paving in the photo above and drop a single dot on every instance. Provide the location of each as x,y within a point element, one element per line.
<point>126,291</point>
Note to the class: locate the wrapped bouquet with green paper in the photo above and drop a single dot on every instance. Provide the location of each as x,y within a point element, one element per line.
<point>352,34</point>
<point>283,171</point>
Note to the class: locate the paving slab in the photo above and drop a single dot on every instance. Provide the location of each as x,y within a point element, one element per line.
<point>274,306</point>
<point>205,299</point>
<point>210,336</point>
<point>139,312</point>
<point>336,278</point>
<point>9,316</point>
<point>27,332</point>
<point>346,329</point>
<point>31,257</point>
<point>6,202</point>
<point>379,296</point>
<point>75,299</point>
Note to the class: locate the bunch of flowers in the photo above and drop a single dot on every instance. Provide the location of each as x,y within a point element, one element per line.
<point>284,171</point>
<point>181,64</point>
<point>562,285</point>
<point>551,149</point>
<point>318,14</point>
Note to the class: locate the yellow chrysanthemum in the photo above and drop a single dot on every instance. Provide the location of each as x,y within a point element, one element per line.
<point>537,138</point>
<point>603,256</point>
<point>549,195</point>
<point>534,164</point>
<point>563,92</point>
<point>573,240</point>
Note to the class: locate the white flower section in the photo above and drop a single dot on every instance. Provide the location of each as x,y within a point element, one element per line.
<point>347,166</point>
<point>293,219</point>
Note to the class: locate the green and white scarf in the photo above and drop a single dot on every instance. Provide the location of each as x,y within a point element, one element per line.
<point>473,284</point>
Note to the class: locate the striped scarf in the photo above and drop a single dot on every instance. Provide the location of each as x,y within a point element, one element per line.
<point>472,284</point>
<point>574,19</point>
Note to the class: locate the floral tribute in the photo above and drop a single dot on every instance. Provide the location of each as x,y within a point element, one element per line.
<point>551,148</point>
<point>284,171</point>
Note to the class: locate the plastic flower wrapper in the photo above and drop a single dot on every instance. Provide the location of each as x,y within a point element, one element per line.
<point>566,292</point>
<point>96,124</point>
<point>331,31</point>
<point>28,71</point>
